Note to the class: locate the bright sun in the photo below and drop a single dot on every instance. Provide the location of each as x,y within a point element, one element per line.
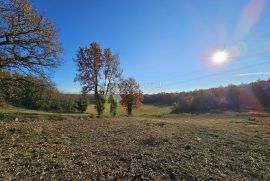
<point>220,57</point>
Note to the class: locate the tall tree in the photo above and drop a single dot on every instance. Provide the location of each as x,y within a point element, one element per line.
<point>131,95</point>
<point>112,72</point>
<point>97,73</point>
<point>28,41</point>
<point>89,61</point>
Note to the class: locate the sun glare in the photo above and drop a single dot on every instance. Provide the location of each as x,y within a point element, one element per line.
<point>220,57</point>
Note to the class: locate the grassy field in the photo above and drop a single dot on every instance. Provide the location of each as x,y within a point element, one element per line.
<point>21,111</point>
<point>142,111</point>
<point>212,147</point>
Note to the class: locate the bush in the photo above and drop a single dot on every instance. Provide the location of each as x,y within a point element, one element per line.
<point>100,104</point>
<point>113,107</point>
<point>82,103</point>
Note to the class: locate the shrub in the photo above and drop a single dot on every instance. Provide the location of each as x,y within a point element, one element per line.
<point>82,103</point>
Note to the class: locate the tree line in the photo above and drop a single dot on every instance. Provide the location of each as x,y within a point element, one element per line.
<point>38,94</point>
<point>245,97</point>
<point>30,50</point>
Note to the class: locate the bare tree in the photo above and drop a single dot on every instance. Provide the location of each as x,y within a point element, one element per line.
<point>112,73</point>
<point>131,95</point>
<point>28,41</point>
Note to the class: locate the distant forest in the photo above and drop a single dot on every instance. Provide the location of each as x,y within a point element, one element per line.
<point>245,97</point>
<point>33,93</point>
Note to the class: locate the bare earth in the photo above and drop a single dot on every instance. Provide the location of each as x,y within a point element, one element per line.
<point>138,148</point>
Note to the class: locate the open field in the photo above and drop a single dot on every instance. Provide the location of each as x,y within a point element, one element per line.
<point>213,147</point>
<point>142,111</point>
<point>22,111</point>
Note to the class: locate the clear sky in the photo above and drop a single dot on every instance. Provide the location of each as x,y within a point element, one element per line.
<point>167,45</point>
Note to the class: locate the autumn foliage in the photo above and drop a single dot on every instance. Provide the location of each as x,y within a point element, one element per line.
<point>245,97</point>
<point>34,93</point>
<point>98,72</point>
<point>28,41</point>
<point>131,95</point>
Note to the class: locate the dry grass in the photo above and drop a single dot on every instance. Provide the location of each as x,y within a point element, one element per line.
<point>165,148</point>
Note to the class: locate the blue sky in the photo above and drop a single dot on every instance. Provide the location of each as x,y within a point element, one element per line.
<point>166,45</point>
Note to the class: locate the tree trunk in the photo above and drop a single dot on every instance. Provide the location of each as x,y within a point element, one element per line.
<point>129,110</point>
<point>97,101</point>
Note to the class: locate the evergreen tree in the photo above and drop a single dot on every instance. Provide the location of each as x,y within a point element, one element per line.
<point>82,103</point>
<point>113,105</point>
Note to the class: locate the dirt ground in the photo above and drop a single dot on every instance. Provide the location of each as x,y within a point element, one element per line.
<point>203,147</point>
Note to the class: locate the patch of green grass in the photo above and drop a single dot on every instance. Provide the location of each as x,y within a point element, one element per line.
<point>143,110</point>
<point>13,111</point>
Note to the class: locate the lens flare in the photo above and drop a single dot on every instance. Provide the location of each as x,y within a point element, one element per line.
<point>249,17</point>
<point>220,57</point>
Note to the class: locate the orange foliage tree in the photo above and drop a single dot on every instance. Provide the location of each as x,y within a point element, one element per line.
<point>131,95</point>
